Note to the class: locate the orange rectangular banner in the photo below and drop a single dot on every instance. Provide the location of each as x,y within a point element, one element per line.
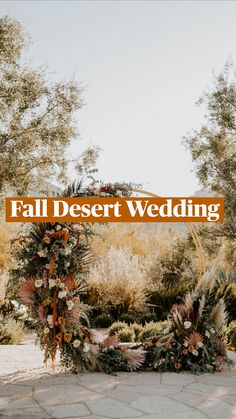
<point>131,209</point>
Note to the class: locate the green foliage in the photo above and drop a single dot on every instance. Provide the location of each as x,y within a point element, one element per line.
<point>127,318</point>
<point>37,117</point>
<point>103,320</point>
<point>148,317</point>
<point>230,335</point>
<point>213,147</point>
<point>230,301</point>
<point>11,331</point>
<point>112,360</point>
<point>163,297</point>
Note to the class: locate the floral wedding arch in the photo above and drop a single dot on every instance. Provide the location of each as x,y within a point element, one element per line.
<point>53,259</point>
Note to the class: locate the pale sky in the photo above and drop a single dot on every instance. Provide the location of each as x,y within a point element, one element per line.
<point>143,66</point>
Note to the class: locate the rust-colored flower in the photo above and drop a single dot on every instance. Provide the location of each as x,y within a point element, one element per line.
<point>63,234</point>
<point>177,365</point>
<point>67,337</point>
<point>70,283</point>
<point>46,302</point>
<point>168,346</point>
<point>191,348</point>
<point>61,321</point>
<point>46,239</point>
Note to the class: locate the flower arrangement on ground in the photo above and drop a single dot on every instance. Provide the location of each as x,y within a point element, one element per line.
<point>193,341</point>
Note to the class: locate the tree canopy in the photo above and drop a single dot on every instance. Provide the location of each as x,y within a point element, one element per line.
<point>213,147</point>
<point>37,120</point>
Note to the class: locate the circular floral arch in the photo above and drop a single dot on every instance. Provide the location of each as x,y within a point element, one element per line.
<point>53,259</point>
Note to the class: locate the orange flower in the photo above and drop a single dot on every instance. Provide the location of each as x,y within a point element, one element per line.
<point>57,282</point>
<point>63,234</point>
<point>46,239</point>
<point>61,321</point>
<point>67,337</point>
<point>177,365</point>
<point>168,346</point>
<point>46,302</point>
<point>191,348</point>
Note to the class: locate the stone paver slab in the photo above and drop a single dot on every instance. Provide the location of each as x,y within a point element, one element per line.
<point>112,409</point>
<point>64,394</point>
<point>159,404</point>
<point>72,410</point>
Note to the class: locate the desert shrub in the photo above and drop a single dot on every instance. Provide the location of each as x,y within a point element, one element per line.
<point>4,278</point>
<point>141,239</point>
<point>127,318</point>
<point>137,329</point>
<point>153,329</point>
<point>116,327</point>
<point>177,264</point>
<point>117,283</point>
<point>103,320</point>
<point>230,335</point>
<point>5,243</point>
<point>148,317</point>
<point>164,297</point>
<point>126,334</point>
<point>11,331</point>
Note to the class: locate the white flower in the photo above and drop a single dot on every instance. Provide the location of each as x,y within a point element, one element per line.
<point>46,330</point>
<point>185,344</point>
<point>86,347</point>
<point>52,283</point>
<point>70,304</point>
<point>187,325</point>
<point>62,294</point>
<point>195,352</point>
<point>200,344</point>
<point>67,251</point>
<point>76,343</point>
<point>67,264</point>
<point>43,253</point>
<point>207,334</point>
<point>50,320</point>
<point>38,283</point>
<point>58,227</point>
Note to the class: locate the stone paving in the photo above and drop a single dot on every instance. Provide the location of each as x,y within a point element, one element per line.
<point>29,390</point>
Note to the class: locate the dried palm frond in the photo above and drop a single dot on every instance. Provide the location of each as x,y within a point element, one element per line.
<point>219,314</point>
<point>111,341</point>
<point>194,339</point>
<point>27,291</point>
<point>135,358</point>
